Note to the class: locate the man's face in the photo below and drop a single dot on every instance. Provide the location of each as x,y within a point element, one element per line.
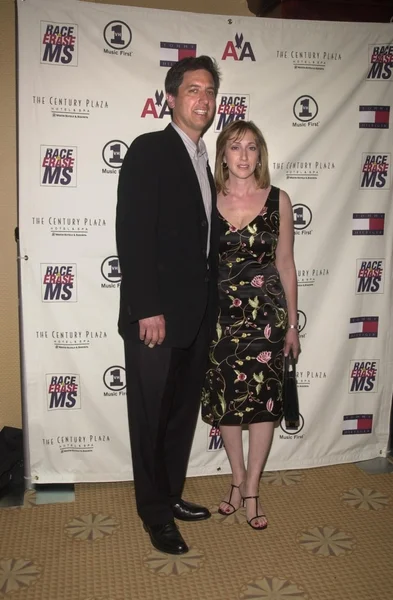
<point>195,103</point>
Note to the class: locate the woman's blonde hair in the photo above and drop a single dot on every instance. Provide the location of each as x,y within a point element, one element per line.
<point>236,131</point>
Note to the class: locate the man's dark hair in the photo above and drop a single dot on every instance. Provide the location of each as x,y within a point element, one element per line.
<point>174,77</point>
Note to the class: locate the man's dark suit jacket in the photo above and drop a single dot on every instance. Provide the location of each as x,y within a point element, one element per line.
<point>161,231</point>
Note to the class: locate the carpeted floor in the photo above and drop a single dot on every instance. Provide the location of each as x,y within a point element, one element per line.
<point>330,537</point>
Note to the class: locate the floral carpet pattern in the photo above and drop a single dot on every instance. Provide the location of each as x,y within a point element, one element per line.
<point>329,537</point>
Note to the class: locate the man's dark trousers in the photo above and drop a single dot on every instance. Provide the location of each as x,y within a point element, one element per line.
<point>163,394</point>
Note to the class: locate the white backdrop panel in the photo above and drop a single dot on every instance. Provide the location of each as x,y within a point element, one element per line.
<point>90,81</point>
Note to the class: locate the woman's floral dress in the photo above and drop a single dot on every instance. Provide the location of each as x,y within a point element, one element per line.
<point>244,379</point>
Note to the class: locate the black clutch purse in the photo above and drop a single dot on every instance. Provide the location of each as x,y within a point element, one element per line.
<point>290,398</point>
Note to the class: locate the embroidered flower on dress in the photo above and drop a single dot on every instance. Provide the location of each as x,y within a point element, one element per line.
<point>236,302</point>
<point>242,377</point>
<point>232,228</point>
<point>264,357</point>
<point>257,281</point>
<point>267,331</point>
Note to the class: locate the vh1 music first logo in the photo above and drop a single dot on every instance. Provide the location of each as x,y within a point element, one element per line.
<point>58,166</point>
<point>58,283</point>
<point>59,44</point>
<point>63,391</point>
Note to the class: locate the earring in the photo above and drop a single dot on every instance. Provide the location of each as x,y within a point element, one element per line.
<point>224,165</point>
<point>259,164</point>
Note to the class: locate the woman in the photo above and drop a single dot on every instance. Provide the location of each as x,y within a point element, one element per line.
<point>257,323</point>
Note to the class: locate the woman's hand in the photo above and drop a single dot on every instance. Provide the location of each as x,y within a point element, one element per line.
<point>292,343</point>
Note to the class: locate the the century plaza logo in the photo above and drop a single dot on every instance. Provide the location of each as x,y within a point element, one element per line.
<point>380,62</point>
<point>308,59</point>
<point>304,169</point>
<point>231,107</point>
<point>156,107</point>
<point>370,275</point>
<point>63,391</point>
<point>240,50</point>
<point>363,376</point>
<point>58,166</point>
<point>375,171</point>
<point>59,282</point>
<point>59,44</point>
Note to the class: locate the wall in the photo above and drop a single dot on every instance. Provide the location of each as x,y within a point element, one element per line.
<point>10,403</point>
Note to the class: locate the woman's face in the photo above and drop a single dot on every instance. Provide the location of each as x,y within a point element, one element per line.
<point>242,155</point>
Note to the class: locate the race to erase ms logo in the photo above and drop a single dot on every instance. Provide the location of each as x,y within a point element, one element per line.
<point>375,171</point>
<point>214,439</point>
<point>117,36</point>
<point>63,391</point>
<point>363,376</point>
<point>58,166</point>
<point>231,107</point>
<point>156,107</point>
<point>380,65</point>
<point>59,44</point>
<point>370,275</point>
<point>238,50</point>
<point>58,283</point>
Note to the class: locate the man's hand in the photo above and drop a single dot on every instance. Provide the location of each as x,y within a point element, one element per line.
<point>152,330</point>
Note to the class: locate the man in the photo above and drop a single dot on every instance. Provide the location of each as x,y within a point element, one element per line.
<point>167,239</point>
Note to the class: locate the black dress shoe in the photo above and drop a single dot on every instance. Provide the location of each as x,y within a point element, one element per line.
<point>166,538</point>
<point>188,511</point>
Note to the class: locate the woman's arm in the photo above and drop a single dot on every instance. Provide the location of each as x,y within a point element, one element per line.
<point>285,264</point>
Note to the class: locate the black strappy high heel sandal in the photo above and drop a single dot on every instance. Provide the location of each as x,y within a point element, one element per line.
<point>256,516</point>
<point>226,514</point>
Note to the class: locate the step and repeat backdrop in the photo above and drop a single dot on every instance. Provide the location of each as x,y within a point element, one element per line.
<point>90,80</point>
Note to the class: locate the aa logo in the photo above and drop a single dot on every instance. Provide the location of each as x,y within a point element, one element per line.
<point>59,44</point>
<point>63,391</point>
<point>370,276</point>
<point>59,283</point>
<point>113,153</point>
<point>363,376</point>
<point>238,50</point>
<point>115,378</point>
<point>58,166</point>
<point>110,269</point>
<point>156,107</point>
<point>375,171</point>
<point>302,216</point>
<point>117,35</point>
<point>214,439</point>
<point>231,107</point>
<point>380,63</point>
